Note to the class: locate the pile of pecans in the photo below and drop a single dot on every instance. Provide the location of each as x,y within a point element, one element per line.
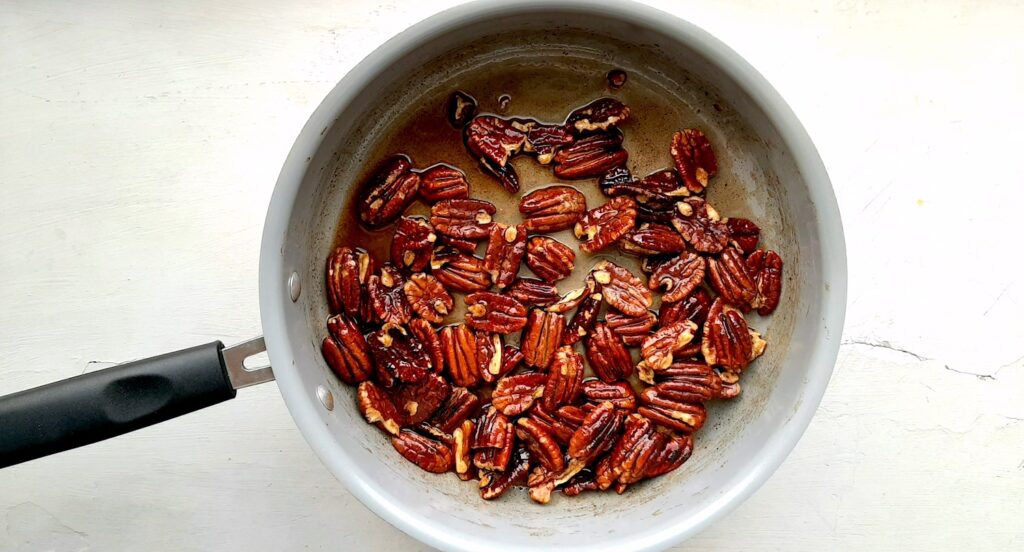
<point>457,398</point>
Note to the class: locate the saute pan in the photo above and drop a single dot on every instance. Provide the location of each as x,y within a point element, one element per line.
<point>680,76</point>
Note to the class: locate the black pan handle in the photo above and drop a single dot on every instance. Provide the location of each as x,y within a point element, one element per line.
<point>102,404</point>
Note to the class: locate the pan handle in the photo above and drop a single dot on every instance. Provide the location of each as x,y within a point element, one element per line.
<point>92,407</point>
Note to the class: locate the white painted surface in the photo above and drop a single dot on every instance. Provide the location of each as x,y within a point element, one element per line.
<point>139,143</point>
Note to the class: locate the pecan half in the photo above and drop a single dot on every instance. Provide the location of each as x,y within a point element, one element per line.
<point>572,415</point>
<point>573,298</point>
<point>652,239</point>
<point>541,336</point>
<point>420,400</point>
<point>678,277</point>
<point>658,348</point>
<point>343,281</point>
<point>533,292</point>
<point>413,243</point>
<point>608,355</point>
<point>693,308</point>
<point>729,277</point>
<point>493,139</point>
<point>425,334</point>
<point>388,192</point>
<point>602,226</point>
<point>441,182</point>
<point>459,271</point>
<point>505,252</point>
<point>667,409</point>
<point>728,341</point>
<point>655,212</point>
<point>488,355</point>
<point>621,289</point>
<point>460,405</point>
<point>766,268</point>
<point>428,454</point>
<point>558,428</point>
<point>663,184</point>
<point>591,156</point>
<point>506,174</point>
<point>496,313</point>
<point>743,233</point>
<point>598,433</point>
<point>460,450</point>
<point>689,381</point>
<point>553,208</point>
<point>674,453</point>
<point>387,296</point>
<point>494,458</point>
<point>459,346</point>
<point>463,218</point>
<point>693,158</point>
<point>491,429</point>
<point>427,297</point>
<point>580,483</point>
<point>514,395</point>
<point>584,319</point>
<point>459,244</point>
<point>541,444</point>
<point>398,356</point>
<point>541,483</point>
<point>494,484</point>
<point>700,226</point>
<point>565,379</point>
<point>346,351</point>
<point>549,259</point>
<point>618,181</point>
<point>461,108</point>
<point>377,408</point>
<point>599,115</point>
<point>636,442</point>
<point>730,386</point>
<point>543,140</point>
<point>632,329</point>
<point>620,393</point>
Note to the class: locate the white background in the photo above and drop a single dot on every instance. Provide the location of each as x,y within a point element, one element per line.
<point>140,142</point>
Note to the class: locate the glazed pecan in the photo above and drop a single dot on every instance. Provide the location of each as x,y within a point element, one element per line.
<point>413,243</point>
<point>766,268</point>
<point>728,341</point>
<point>377,408</point>
<point>387,296</point>
<point>584,319</point>
<point>730,386</point>
<point>663,185</point>
<point>658,348</point>
<point>428,454</point>
<point>343,282</point>
<point>459,346</point>
<point>655,212</point>
<point>463,218</point>
<point>461,108</point>
<point>729,276</point>
<point>559,429</point>
<point>551,209</point>
<point>514,395</point>
<point>459,271</point>
<point>620,393</point>
<point>460,450</point>
<point>459,244</point>
<point>689,381</point>
<point>543,140</point>
<point>533,292</point>
<point>621,289</point>
<point>743,233</point>
<point>441,182</point>
<point>572,415</point>
<point>510,358</point>
<point>674,453</point>
<point>652,239</point>
<point>346,351</point>
<point>678,277</point>
<point>425,334</point>
<point>488,355</point>
<point>591,156</point>
<point>580,483</point>
<point>496,313</point>
<point>388,192</point>
<point>618,181</point>
<point>598,433</point>
<point>565,379</point>
<point>632,329</point>
<point>608,355</point>
<point>668,409</point>
<point>693,158</point>
<point>549,259</point>
<point>599,115</point>
<point>541,444</point>
<point>494,484</point>
<point>460,405</point>
<point>693,308</point>
<point>506,174</point>
<point>398,356</point>
<point>602,226</point>
<point>630,453</point>
<point>541,336</point>
<point>427,297</point>
<point>541,483</point>
<point>574,298</point>
<point>700,226</point>
<point>505,252</point>
<point>493,139</point>
<point>420,400</point>
<point>494,458</point>
<point>491,429</point>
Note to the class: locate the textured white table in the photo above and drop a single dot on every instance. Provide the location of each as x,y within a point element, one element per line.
<point>140,141</point>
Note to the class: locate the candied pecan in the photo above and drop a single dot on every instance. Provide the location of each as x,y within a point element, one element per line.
<point>655,212</point>
<point>574,297</point>
<point>460,405</point>
<point>729,384</point>
<point>553,208</point>
<point>506,174</point>
<point>460,450</point>
<point>602,226</point>
<point>460,244</point>
<point>463,218</point>
<point>443,182</point>
<point>608,355</point>
<point>572,415</point>
<point>591,156</point>
<point>426,453</point>
<point>559,429</point>
<point>425,334</point>
<point>636,441</point>
<point>398,356</point>
<point>541,483</point>
<point>667,410</point>
<point>694,159</point>
<point>693,308</point>
<point>729,277</point>
<point>688,381</point>
<point>658,348</point>
<point>427,297</point>
<point>700,226</point>
<point>541,336</point>
<point>459,346</point>
<point>420,400</point>
<point>387,296</point>
<point>598,433</point>
<point>491,428</point>
<point>388,192</point>
<point>459,271</point>
<point>541,444</point>
<point>728,341</point>
<point>514,395</point>
<point>494,484</point>
<point>533,292</point>
<point>584,319</point>
<point>743,233</point>
<point>495,458</point>
<point>652,239</point>
<point>620,393</point>
<point>505,252</point>
<point>494,139</point>
<point>343,290</point>
<point>673,454</point>
<point>621,289</point>
<point>766,268</point>
<point>579,483</point>
<point>565,378</point>
<point>618,181</point>
<point>346,351</point>
<point>413,243</point>
<point>549,259</point>
<point>599,115</point>
<point>632,329</point>
<point>461,108</point>
<point>377,408</point>
<point>543,140</point>
<point>678,277</point>
<point>494,313</point>
<point>488,355</point>
<point>663,185</point>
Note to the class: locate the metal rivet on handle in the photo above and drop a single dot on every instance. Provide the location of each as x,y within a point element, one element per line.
<point>294,286</point>
<point>325,396</point>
